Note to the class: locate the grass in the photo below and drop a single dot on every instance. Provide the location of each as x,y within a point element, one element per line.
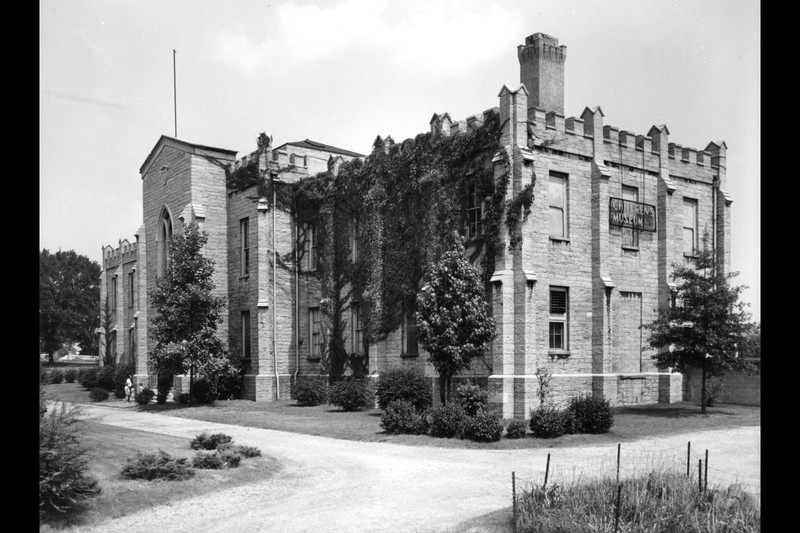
<point>630,423</point>
<point>109,448</point>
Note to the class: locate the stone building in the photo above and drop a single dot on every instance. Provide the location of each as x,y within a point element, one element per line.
<point>612,211</point>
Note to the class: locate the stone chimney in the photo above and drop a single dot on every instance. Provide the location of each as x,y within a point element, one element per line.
<point>541,66</point>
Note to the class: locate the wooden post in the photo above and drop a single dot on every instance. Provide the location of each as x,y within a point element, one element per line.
<point>514,498</point>
<point>618,453</point>
<point>546,471</point>
<point>705,480</point>
<point>688,457</point>
<point>700,474</point>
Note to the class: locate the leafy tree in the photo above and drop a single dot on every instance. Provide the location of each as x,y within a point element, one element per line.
<point>68,294</point>
<point>453,322</point>
<point>106,322</point>
<point>188,313</point>
<point>707,323</point>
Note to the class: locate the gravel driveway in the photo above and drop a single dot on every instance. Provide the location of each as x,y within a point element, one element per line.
<point>330,485</point>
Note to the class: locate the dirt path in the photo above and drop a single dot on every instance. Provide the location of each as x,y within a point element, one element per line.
<point>337,486</point>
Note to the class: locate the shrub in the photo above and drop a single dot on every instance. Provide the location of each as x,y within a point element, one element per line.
<point>204,441</point>
<point>230,456</point>
<point>42,402</point>
<point>446,420</point>
<point>472,398</point>
<point>183,397</point>
<point>309,392</point>
<point>98,394</point>
<point>548,422</point>
<point>715,391</point>
<point>161,398</point>
<point>204,391</point>
<point>208,461</point>
<point>350,395</point>
<point>484,427</point>
<point>229,380</point>
<point>88,378</point>
<point>402,384</point>
<point>399,417</point>
<point>144,397</point>
<point>63,465</point>
<point>56,376</point>
<point>245,451</point>
<point>160,465</point>
<point>516,429</point>
<point>120,376</point>
<point>105,377</point>
<point>70,375</point>
<point>592,415</point>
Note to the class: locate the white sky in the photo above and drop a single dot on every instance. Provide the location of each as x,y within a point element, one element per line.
<point>343,72</point>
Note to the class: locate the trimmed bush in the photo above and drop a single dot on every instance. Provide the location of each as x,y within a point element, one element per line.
<point>247,452</point>
<point>98,395</point>
<point>484,427</point>
<point>56,376</point>
<point>204,391</point>
<point>548,422</point>
<point>230,457</point>
<point>63,465</point>
<point>447,420</point>
<point>160,465</point>
<point>204,441</point>
<point>120,376</point>
<point>472,398</point>
<point>350,395</point>
<point>208,461</point>
<point>516,429</point>
<point>310,392</point>
<point>70,375</point>
<point>403,384</point>
<point>88,378</point>
<point>161,398</point>
<point>591,415</point>
<point>105,377</point>
<point>399,417</point>
<point>183,397</point>
<point>144,397</point>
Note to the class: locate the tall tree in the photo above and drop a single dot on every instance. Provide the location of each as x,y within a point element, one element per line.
<point>453,322</point>
<point>188,313</point>
<point>106,322</point>
<point>69,290</point>
<point>707,323</point>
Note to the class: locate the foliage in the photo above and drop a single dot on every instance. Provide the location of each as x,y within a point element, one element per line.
<point>120,376</point>
<point>349,394</point>
<point>453,318</point>
<point>230,456</point>
<point>105,377</point>
<point>42,402</point>
<point>309,392</point>
<point>188,313</point>
<point>204,391</point>
<point>88,377</point>
<point>751,347</point>
<point>484,426</point>
<point>161,398</point>
<point>208,461</point>
<point>590,415</point>
<point>403,384</point>
<point>229,378</point>
<point>183,398</point>
<point>70,375</point>
<point>244,451</point>
<point>399,417</point>
<point>98,394</point>
<point>715,391</point>
<point>56,376</point>
<point>144,396</point>
<point>68,296</point>
<point>516,429</point>
<point>157,465</point>
<point>106,323</point>
<point>63,465</point>
<point>472,398</point>
<point>658,501</point>
<point>707,326</point>
<point>549,422</point>
<point>447,420</point>
<point>204,441</point>
<point>544,377</point>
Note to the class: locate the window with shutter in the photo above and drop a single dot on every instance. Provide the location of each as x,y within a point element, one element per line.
<point>558,318</point>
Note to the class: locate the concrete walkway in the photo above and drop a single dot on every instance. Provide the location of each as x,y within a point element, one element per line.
<point>333,485</point>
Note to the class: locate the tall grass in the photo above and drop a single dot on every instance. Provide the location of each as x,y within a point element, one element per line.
<point>656,502</point>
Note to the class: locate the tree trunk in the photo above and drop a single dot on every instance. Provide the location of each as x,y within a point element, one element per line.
<point>191,384</point>
<point>703,390</point>
<point>443,382</point>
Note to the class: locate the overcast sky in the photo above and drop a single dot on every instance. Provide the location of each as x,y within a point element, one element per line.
<point>343,72</point>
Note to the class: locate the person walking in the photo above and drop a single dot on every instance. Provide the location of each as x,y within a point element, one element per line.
<point>128,388</point>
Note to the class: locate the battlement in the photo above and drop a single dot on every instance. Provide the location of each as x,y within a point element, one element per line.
<point>125,251</point>
<point>444,125</point>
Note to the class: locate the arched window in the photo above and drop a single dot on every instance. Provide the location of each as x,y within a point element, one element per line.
<point>164,238</point>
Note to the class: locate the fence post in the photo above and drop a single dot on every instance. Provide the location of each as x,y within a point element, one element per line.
<point>700,474</point>
<point>688,457</point>
<point>616,512</point>
<point>705,480</point>
<point>514,498</point>
<point>618,452</point>
<point>546,471</point>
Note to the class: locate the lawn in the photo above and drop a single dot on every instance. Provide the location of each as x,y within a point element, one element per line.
<point>629,422</point>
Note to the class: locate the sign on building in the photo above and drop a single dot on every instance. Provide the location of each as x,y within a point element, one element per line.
<point>630,214</point>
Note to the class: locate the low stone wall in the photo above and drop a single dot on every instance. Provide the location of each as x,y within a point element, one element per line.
<point>742,389</point>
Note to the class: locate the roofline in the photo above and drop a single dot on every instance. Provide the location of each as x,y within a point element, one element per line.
<point>323,147</point>
<point>192,148</point>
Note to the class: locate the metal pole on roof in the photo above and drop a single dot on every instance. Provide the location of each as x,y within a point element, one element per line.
<point>174,92</point>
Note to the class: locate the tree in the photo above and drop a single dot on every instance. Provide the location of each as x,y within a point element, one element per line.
<point>68,293</point>
<point>106,322</point>
<point>453,322</point>
<point>188,313</point>
<point>706,325</point>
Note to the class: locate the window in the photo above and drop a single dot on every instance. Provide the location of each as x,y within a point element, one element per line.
<point>354,240</point>
<point>630,236</point>
<point>689,226</point>
<point>311,247</point>
<point>315,333</point>
<point>244,245</point>
<point>245,339</point>
<point>131,291</point>
<point>409,347</point>
<point>112,345</point>
<point>557,197</point>
<point>558,318</point>
<point>164,237</point>
<point>132,343</point>
<point>473,210</point>
<point>114,293</point>
<point>357,338</point>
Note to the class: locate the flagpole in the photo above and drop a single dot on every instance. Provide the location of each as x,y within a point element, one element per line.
<point>174,92</point>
